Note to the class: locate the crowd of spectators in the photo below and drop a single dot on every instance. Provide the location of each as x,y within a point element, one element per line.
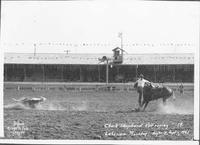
<point>96,73</point>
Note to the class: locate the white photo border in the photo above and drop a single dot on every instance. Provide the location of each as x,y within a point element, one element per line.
<point>196,115</point>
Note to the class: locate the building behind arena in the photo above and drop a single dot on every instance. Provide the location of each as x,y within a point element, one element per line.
<point>46,67</point>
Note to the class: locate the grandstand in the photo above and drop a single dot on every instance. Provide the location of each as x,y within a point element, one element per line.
<point>47,67</point>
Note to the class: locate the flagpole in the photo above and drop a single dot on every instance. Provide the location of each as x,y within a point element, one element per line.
<point>121,41</point>
<point>122,44</point>
<point>34,49</point>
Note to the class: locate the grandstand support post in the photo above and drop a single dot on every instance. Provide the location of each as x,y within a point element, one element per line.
<point>136,71</point>
<point>62,73</point>
<point>24,73</point>
<point>6,75</point>
<point>174,78</point>
<point>43,73</point>
<point>107,72</point>
<point>154,69</point>
<point>80,74</point>
<point>99,73</point>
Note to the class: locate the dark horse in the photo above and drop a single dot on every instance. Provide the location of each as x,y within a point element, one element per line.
<point>151,93</point>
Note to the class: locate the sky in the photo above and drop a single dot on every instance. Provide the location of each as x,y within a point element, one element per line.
<point>93,26</point>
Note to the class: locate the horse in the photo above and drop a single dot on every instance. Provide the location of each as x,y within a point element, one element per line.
<point>151,93</point>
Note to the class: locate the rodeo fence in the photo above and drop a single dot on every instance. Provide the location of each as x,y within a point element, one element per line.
<point>79,87</point>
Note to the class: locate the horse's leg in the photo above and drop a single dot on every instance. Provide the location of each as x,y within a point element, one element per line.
<point>140,100</point>
<point>143,102</point>
<point>146,103</point>
<point>164,101</point>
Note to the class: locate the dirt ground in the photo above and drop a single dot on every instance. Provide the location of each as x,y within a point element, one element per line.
<point>102,115</point>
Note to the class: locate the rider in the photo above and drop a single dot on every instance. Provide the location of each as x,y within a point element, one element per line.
<point>140,85</point>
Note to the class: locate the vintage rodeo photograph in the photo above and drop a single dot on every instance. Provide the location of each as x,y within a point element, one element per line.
<point>100,70</point>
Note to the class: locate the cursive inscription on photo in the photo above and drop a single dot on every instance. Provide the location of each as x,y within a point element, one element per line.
<point>145,129</point>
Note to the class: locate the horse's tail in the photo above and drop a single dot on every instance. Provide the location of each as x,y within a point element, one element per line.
<point>170,93</point>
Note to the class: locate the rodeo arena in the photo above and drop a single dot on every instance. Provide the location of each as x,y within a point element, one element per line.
<point>96,96</point>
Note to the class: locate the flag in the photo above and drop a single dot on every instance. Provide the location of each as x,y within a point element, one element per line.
<point>120,35</point>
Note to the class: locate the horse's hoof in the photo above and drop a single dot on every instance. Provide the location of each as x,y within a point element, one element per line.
<point>137,109</point>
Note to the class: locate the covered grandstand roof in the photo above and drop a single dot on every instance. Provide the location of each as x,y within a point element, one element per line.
<point>129,59</point>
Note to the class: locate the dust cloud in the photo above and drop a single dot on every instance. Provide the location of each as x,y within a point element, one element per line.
<point>172,108</point>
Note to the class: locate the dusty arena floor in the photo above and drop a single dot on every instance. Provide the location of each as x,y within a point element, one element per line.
<point>102,115</point>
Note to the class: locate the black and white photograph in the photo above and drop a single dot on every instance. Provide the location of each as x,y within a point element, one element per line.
<point>100,70</point>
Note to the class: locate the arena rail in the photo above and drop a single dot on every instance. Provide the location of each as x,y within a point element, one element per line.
<point>41,86</point>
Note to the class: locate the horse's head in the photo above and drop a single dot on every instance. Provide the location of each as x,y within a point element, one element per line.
<point>148,84</point>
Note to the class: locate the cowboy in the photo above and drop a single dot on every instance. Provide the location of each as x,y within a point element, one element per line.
<point>181,88</point>
<point>140,86</point>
